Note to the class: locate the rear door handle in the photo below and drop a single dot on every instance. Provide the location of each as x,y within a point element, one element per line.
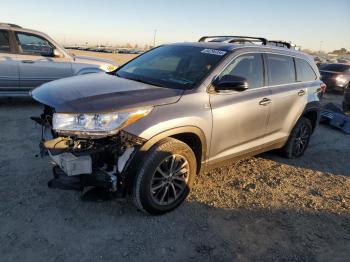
<point>301,93</point>
<point>265,102</point>
<point>27,61</point>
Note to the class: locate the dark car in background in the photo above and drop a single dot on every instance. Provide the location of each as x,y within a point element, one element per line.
<point>335,76</point>
<point>346,101</point>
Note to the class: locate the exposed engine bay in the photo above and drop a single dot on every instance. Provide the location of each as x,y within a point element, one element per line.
<point>81,162</point>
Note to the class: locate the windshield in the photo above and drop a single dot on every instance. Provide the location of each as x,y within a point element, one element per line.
<point>335,67</point>
<point>171,66</point>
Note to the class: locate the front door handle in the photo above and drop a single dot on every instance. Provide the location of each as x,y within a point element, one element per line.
<point>265,102</point>
<point>27,61</point>
<point>301,93</point>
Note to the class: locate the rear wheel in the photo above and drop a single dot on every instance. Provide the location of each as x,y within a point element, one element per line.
<point>346,107</point>
<point>165,177</point>
<point>298,139</point>
<point>346,101</point>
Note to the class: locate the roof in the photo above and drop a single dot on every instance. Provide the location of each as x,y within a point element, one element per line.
<point>231,47</point>
<point>9,25</point>
<point>213,45</point>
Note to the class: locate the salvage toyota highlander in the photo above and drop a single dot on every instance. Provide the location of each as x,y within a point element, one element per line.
<point>150,126</point>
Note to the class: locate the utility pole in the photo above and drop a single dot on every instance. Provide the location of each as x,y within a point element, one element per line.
<point>154,37</point>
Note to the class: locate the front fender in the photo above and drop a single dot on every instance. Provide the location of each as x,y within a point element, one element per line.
<point>177,131</point>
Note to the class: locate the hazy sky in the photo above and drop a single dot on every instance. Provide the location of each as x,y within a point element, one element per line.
<point>306,22</point>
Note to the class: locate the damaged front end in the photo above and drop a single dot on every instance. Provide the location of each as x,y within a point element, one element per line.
<point>83,161</point>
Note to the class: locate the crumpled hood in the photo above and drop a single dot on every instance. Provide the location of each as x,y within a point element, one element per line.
<point>92,60</point>
<point>101,93</point>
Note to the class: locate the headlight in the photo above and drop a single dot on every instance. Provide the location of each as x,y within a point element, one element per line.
<point>108,68</point>
<point>95,124</point>
<point>340,80</point>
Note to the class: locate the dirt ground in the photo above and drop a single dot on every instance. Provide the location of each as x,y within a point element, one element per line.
<point>264,208</point>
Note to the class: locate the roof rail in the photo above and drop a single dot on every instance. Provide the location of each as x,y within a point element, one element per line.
<point>248,39</point>
<point>10,25</point>
<point>281,43</point>
<point>233,38</point>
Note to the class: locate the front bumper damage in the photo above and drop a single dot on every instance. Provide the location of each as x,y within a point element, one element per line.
<point>81,162</point>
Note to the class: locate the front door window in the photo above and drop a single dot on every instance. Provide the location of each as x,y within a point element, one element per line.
<point>33,45</point>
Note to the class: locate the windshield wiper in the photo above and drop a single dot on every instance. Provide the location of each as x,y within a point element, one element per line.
<point>140,80</point>
<point>144,81</point>
<point>147,82</point>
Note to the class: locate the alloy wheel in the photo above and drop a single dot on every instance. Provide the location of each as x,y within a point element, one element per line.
<point>301,140</point>
<point>169,181</point>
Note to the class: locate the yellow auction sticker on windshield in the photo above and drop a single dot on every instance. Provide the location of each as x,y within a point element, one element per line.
<point>213,52</point>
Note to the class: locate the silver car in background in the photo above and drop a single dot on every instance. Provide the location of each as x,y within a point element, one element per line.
<point>30,58</point>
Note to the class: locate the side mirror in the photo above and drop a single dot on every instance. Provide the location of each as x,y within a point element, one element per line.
<point>47,51</point>
<point>57,53</point>
<point>230,82</point>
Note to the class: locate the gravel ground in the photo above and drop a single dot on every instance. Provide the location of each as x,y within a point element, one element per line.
<point>264,208</point>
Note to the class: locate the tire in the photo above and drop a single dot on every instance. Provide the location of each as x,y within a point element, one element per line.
<point>159,177</point>
<point>346,107</point>
<point>320,96</point>
<point>299,137</point>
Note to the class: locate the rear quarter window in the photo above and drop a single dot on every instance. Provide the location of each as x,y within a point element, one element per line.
<point>4,42</point>
<point>281,69</point>
<point>304,71</point>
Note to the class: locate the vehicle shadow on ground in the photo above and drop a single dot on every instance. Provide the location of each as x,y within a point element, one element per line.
<point>114,230</point>
<point>328,152</point>
<point>336,161</point>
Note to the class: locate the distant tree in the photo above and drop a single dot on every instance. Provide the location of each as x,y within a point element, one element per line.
<point>128,45</point>
<point>308,51</point>
<point>341,51</point>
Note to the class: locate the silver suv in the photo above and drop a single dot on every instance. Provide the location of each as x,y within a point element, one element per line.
<point>149,127</point>
<point>29,58</point>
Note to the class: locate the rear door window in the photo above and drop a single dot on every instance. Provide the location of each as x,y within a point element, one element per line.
<point>250,67</point>
<point>4,42</point>
<point>281,69</point>
<point>304,71</point>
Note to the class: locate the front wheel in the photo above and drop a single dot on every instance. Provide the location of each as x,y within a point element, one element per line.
<point>298,139</point>
<point>165,177</point>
